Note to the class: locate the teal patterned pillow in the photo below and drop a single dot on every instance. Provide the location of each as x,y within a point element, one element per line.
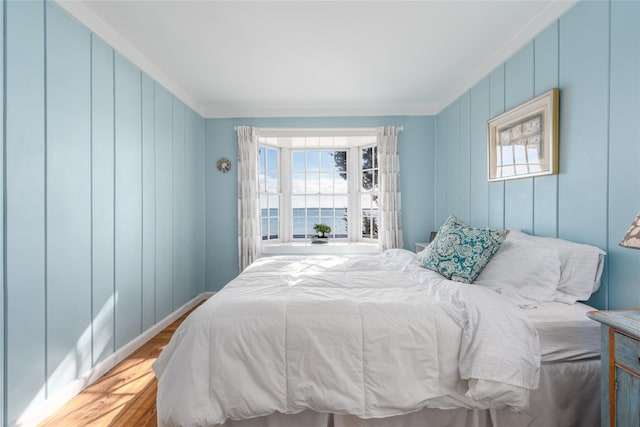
<point>459,252</point>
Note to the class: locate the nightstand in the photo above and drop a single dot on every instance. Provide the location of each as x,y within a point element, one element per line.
<point>420,246</point>
<point>620,389</point>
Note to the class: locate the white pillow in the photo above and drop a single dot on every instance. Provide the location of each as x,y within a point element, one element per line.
<point>523,271</point>
<point>580,270</point>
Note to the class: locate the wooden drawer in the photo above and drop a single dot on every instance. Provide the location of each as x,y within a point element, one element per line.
<point>627,351</point>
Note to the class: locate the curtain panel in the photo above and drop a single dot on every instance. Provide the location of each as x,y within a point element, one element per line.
<point>248,197</point>
<point>390,225</point>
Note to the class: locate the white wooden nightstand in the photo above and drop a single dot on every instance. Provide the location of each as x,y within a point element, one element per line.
<point>420,246</point>
<point>620,389</point>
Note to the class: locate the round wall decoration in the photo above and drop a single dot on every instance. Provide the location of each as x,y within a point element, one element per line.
<point>224,165</point>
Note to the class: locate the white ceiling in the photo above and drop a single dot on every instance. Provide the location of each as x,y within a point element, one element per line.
<point>316,58</point>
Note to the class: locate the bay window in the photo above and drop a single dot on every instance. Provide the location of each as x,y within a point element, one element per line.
<point>311,179</point>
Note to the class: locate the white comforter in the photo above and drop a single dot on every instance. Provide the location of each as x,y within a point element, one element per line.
<point>368,336</point>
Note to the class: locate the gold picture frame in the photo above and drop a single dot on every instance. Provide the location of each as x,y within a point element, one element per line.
<point>523,142</point>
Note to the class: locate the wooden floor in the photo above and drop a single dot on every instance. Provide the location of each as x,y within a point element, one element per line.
<point>124,396</point>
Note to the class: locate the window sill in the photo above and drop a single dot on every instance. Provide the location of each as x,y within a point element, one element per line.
<point>331,248</point>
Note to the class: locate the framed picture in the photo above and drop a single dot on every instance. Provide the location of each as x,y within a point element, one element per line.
<point>523,142</point>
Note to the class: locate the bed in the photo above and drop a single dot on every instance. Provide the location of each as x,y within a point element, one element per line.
<point>383,341</point>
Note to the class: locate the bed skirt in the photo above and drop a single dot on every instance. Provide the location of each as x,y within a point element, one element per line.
<point>568,396</point>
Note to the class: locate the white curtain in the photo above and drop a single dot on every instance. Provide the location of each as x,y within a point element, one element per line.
<point>390,225</point>
<point>248,197</point>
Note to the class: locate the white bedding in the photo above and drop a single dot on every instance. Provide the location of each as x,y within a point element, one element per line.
<point>565,331</point>
<point>367,336</point>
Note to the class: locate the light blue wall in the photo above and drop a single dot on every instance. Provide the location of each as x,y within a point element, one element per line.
<point>416,143</point>
<point>104,194</point>
<point>592,54</point>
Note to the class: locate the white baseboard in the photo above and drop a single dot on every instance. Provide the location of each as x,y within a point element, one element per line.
<point>35,415</point>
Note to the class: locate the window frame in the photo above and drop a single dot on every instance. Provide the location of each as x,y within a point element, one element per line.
<point>375,189</point>
<point>268,138</point>
<point>268,194</point>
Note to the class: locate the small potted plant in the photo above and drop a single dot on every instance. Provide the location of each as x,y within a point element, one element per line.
<point>321,230</point>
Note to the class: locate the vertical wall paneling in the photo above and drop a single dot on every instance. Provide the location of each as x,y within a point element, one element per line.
<point>148,204</point>
<point>68,198</point>
<point>545,197</point>
<point>2,227</point>
<point>199,230</point>
<point>190,187</point>
<point>25,203</point>
<point>624,140</point>
<point>440,166</point>
<point>102,197</point>
<point>179,285</point>
<point>518,193</point>
<point>128,201</point>
<point>88,181</point>
<point>464,123</point>
<point>453,180</point>
<point>584,80</point>
<point>496,188</point>
<point>191,190</point>
<point>479,186</point>
<point>164,201</point>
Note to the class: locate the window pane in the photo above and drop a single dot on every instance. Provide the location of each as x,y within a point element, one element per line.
<point>311,221</point>
<point>262,181</point>
<point>340,186</point>
<point>375,157</point>
<point>365,201</point>
<point>297,161</point>
<point>340,230</point>
<point>263,205</point>
<point>326,202</point>
<point>340,162</point>
<point>274,205</point>
<point>272,158</point>
<point>297,183</point>
<point>367,158</point>
<point>326,161</point>
<point>264,229</point>
<point>366,227</point>
<point>326,214</point>
<point>313,202</point>
<point>326,183</point>
<point>367,180</point>
<point>313,184</point>
<point>272,181</point>
<point>313,161</point>
<point>298,227</point>
<point>341,202</point>
<point>298,202</point>
<point>261,156</point>
<point>273,228</point>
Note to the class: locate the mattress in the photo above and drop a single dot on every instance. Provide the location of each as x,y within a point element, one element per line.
<point>566,333</point>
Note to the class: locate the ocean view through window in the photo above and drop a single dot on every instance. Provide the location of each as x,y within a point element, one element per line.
<point>306,180</point>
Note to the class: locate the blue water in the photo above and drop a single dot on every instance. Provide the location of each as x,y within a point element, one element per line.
<point>303,227</point>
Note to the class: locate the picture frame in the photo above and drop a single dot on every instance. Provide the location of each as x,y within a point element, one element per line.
<point>523,142</point>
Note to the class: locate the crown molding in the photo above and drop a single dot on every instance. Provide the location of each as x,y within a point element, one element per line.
<point>217,111</point>
<point>99,27</point>
<point>551,13</point>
